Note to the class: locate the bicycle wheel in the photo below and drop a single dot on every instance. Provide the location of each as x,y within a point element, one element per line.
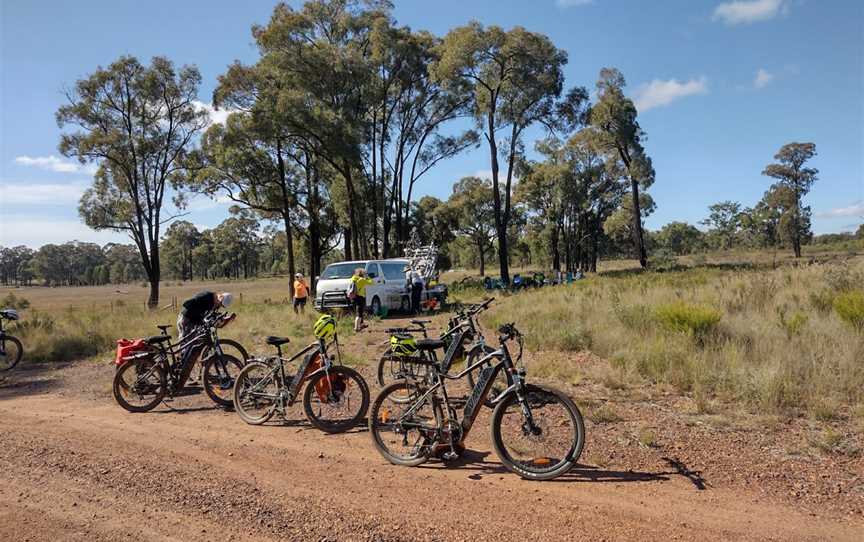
<point>392,370</point>
<point>403,438</point>
<point>502,381</point>
<point>337,402</point>
<point>10,352</point>
<point>219,377</point>
<point>139,385</point>
<point>545,449</point>
<point>256,393</point>
<point>234,348</point>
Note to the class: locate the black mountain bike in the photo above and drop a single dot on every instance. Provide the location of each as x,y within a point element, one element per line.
<point>537,432</point>
<point>335,400</point>
<point>161,370</point>
<point>10,347</point>
<point>394,367</point>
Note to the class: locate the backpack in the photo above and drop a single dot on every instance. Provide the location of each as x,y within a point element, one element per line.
<point>351,292</point>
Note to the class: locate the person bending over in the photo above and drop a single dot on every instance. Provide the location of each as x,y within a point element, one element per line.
<point>197,307</point>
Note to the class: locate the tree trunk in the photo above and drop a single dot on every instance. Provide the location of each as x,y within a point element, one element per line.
<point>286,217</point>
<point>556,251</point>
<point>349,255</point>
<point>500,226</point>
<point>638,238</point>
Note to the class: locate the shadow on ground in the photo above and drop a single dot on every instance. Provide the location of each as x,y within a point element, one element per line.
<point>31,379</point>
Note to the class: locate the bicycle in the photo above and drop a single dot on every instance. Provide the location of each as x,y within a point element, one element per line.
<point>147,377</point>
<point>263,388</point>
<point>11,349</point>
<point>531,440</point>
<point>406,366</point>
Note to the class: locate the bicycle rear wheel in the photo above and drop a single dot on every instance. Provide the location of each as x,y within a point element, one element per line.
<point>404,432</point>
<point>139,385</point>
<point>256,393</point>
<point>10,352</point>
<point>547,446</point>
<point>337,401</point>
<point>220,373</point>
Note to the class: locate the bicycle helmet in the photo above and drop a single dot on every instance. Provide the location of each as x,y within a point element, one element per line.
<point>325,327</point>
<point>403,344</point>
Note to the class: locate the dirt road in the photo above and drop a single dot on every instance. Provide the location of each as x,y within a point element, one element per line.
<point>74,466</point>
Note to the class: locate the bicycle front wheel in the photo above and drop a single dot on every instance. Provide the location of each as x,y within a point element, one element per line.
<point>10,352</point>
<point>220,373</point>
<point>336,400</point>
<point>544,447</point>
<point>256,393</point>
<point>404,432</point>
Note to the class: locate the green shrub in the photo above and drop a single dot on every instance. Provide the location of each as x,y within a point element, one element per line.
<point>696,320</point>
<point>11,301</point>
<point>850,308</point>
<point>793,323</point>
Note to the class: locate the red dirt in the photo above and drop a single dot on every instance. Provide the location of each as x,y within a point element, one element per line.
<point>77,467</point>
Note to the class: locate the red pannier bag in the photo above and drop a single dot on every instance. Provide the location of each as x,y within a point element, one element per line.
<point>127,347</point>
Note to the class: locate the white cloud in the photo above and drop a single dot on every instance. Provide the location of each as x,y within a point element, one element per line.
<point>572,3</point>
<point>41,194</point>
<point>54,163</point>
<point>35,232</point>
<point>856,209</point>
<point>659,93</point>
<point>216,116</point>
<point>749,11</point>
<point>763,78</point>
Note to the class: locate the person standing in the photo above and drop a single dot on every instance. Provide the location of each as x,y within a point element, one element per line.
<point>359,282</point>
<point>301,294</point>
<point>414,282</point>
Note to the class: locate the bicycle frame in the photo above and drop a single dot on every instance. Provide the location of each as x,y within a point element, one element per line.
<point>479,392</point>
<point>293,387</point>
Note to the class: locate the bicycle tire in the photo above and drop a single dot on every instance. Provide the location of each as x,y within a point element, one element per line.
<point>244,355</point>
<point>542,471</point>
<point>240,386</point>
<point>378,418</point>
<point>6,364</point>
<point>119,385</point>
<point>343,425</point>
<point>220,389</point>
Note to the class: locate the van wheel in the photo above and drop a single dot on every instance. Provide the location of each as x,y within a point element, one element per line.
<point>376,306</point>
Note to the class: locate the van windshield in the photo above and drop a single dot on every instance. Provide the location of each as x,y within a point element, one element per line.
<point>339,271</point>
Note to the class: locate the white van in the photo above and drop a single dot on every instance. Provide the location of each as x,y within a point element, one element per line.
<point>386,293</point>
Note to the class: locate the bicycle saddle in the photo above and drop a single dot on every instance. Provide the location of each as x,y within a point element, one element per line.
<point>164,329</point>
<point>155,339</point>
<point>430,344</point>
<point>277,341</point>
<point>421,322</point>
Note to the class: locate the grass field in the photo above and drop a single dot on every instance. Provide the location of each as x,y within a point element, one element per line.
<point>746,329</point>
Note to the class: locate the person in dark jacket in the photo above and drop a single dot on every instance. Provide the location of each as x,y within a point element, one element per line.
<point>197,307</point>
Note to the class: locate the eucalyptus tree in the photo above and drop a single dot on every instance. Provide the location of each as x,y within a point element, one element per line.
<point>246,159</point>
<point>793,176</point>
<point>617,130</point>
<point>408,110</point>
<point>473,215</point>
<point>514,79</point>
<point>137,123</point>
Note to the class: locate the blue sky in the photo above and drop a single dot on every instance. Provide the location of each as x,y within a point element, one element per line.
<point>720,85</point>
